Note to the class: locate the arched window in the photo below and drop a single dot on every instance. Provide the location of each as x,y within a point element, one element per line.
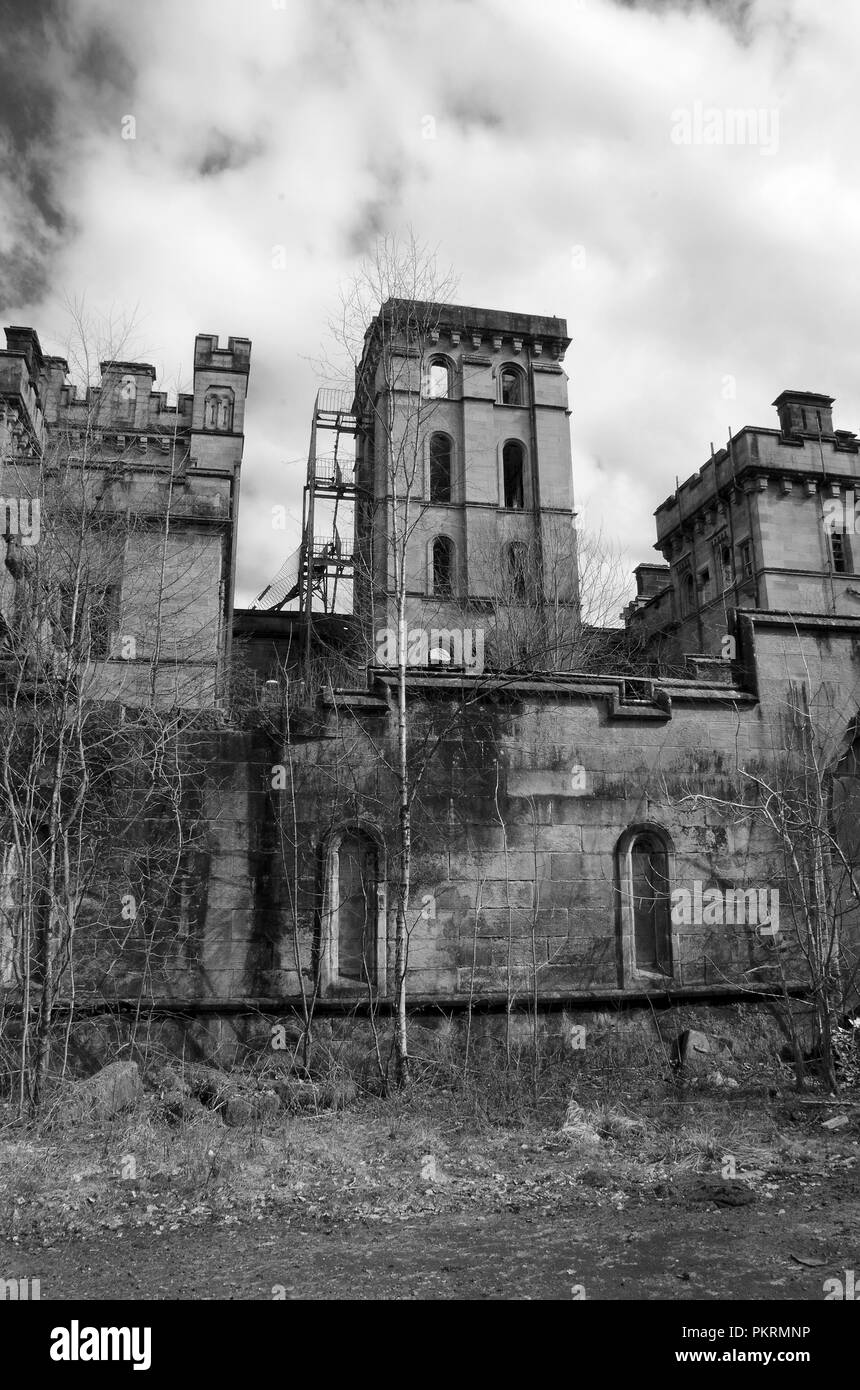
<point>352,953</point>
<point>438,380</point>
<point>440,468</point>
<point>688,593</point>
<point>356,908</point>
<point>511,386</point>
<point>443,566</point>
<point>646,919</point>
<point>517,565</point>
<point>649,885</point>
<point>513,469</point>
<point>218,410</point>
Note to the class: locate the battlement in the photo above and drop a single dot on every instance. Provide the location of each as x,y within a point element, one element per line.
<point>112,369</point>
<point>805,447</point>
<point>473,327</point>
<point>36,396</point>
<point>210,356</point>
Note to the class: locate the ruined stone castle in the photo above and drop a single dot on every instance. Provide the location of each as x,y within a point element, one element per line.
<point>577,837</point>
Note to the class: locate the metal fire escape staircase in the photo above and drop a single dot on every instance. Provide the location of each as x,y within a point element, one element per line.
<point>313,572</point>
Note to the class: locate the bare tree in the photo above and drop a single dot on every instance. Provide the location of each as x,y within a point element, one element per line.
<point>801,798</point>
<point>400,291</point>
<point>106,684</point>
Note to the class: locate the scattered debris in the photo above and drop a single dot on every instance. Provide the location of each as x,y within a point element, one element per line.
<point>576,1126</point>
<point>116,1087</point>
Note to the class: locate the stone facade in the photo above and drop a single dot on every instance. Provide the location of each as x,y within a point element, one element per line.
<point>467,411</point>
<point>524,827</point>
<point>173,470</point>
<point>768,523</point>
<point>557,813</point>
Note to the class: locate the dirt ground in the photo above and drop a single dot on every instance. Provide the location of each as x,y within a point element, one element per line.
<point>749,1196</point>
<point>655,1249</point>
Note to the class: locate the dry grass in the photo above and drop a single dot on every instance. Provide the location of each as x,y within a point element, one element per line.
<point>490,1138</point>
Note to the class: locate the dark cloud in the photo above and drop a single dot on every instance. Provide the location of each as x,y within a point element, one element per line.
<point>102,66</point>
<point>59,78</point>
<point>373,213</point>
<point>471,115</point>
<point>738,15</point>
<point>29,105</point>
<point>224,153</point>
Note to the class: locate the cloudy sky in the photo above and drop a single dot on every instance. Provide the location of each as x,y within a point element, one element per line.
<point>568,157</point>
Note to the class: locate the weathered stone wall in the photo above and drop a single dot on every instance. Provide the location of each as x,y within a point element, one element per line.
<point>520,825</point>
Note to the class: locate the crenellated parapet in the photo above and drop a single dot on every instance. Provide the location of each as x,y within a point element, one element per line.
<point>135,460</point>
<point>124,412</point>
<point>769,522</point>
<point>218,409</point>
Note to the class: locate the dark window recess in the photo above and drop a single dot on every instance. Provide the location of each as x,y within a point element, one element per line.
<point>440,468</point>
<point>727,566</point>
<point>839,552</point>
<point>443,566</point>
<point>688,593</point>
<point>356,909</point>
<point>746,559</point>
<point>512,387</point>
<point>95,621</point>
<point>513,468</point>
<point>649,874</point>
<point>517,571</point>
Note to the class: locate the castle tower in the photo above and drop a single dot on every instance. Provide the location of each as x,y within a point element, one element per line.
<point>220,388</point>
<point>148,460</point>
<point>769,523</point>
<point>463,411</point>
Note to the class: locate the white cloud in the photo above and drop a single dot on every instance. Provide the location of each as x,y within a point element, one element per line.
<point>302,127</point>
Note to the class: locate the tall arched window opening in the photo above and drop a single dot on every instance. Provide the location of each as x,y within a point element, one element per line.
<point>440,468</point>
<point>650,905</point>
<point>517,564</point>
<point>513,469</point>
<point>511,389</point>
<point>438,381</point>
<point>443,566</point>
<point>356,908</point>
